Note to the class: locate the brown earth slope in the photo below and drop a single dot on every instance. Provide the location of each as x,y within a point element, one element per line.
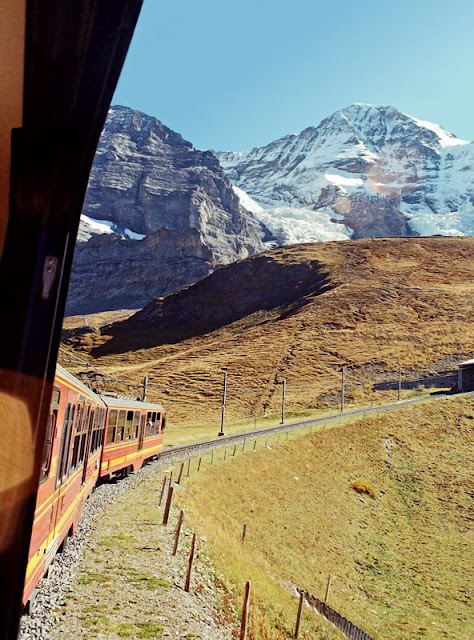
<point>299,313</point>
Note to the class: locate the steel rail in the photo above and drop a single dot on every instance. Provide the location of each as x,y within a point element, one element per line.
<point>179,452</point>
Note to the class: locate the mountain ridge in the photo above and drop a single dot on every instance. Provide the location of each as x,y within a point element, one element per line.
<point>305,182</point>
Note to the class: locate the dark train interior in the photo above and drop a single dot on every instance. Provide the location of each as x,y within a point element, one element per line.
<point>60,64</point>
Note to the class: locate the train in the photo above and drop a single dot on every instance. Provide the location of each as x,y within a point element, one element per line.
<point>89,439</point>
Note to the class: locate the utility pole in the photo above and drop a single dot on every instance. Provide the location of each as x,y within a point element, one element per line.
<point>342,389</point>
<point>224,393</point>
<point>399,384</point>
<point>145,388</point>
<point>283,401</point>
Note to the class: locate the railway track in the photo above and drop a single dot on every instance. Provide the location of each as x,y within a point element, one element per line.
<point>181,452</point>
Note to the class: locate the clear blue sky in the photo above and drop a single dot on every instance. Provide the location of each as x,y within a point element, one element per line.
<point>233,74</point>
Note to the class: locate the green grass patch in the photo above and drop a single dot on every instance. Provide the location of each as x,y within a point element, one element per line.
<point>144,581</point>
<point>148,629</point>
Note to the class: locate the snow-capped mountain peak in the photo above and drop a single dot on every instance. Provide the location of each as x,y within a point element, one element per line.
<point>364,170</point>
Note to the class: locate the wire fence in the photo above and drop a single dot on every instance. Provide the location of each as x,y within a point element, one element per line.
<point>348,628</point>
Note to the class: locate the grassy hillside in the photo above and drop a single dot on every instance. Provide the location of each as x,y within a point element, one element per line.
<point>298,313</point>
<point>402,561</point>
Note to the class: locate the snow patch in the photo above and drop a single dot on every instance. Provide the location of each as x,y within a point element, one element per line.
<point>292,225</point>
<point>247,202</point>
<point>91,227</point>
<point>133,235</point>
<point>446,139</point>
<point>455,223</point>
<point>342,182</point>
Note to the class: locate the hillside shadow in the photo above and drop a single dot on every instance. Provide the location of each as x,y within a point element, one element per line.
<point>258,285</point>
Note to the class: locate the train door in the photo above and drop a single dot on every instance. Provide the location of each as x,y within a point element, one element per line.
<point>142,432</point>
<point>88,444</point>
<point>69,457</point>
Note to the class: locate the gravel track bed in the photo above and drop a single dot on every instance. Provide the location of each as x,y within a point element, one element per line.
<point>62,573</point>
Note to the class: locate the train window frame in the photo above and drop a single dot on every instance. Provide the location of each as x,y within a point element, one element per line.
<point>50,435</point>
<point>48,445</point>
<point>68,426</point>
<point>111,427</point>
<point>75,454</point>
<point>129,425</point>
<point>148,424</point>
<point>136,424</point>
<point>101,430</point>
<point>121,423</point>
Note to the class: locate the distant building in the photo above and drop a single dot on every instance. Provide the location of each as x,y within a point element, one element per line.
<point>466,376</point>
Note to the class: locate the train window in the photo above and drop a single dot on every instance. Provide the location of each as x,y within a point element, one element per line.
<point>95,431</point>
<point>66,442</point>
<point>129,430</point>
<point>163,423</point>
<point>79,415</point>
<point>148,423</point>
<point>100,437</point>
<point>75,454</point>
<point>55,398</point>
<point>83,448</point>
<point>158,422</point>
<point>121,426</point>
<point>111,429</point>
<point>48,445</point>
<point>136,423</point>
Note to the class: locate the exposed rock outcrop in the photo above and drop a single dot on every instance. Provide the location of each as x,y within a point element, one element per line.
<point>158,215</point>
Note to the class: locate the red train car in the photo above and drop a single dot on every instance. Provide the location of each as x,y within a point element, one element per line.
<point>76,454</point>
<point>134,434</point>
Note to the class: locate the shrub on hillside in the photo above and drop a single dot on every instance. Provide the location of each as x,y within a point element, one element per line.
<point>364,486</point>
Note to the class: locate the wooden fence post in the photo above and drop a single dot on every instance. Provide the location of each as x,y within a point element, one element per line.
<point>245,613</point>
<point>163,486</point>
<point>254,445</point>
<point>189,467</point>
<point>190,563</point>
<point>244,532</point>
<point>180,474</point>
<point>235,449</point>
<point>212,456</point>
<point>199,464</point>
<point>298,615</point>
<point>225,455</point>
<point>243,445</point>
<point>168,505</point>
<point>327,590</point>
<point>178,531</point>
<point>171,477</point>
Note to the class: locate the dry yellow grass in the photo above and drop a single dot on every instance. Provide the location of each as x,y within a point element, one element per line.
<point>388,303</point>
<point>402,563</point>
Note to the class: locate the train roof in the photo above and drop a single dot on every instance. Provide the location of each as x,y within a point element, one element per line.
<point>110,401</point>
<point>126,403</point>
<point>63,373</point>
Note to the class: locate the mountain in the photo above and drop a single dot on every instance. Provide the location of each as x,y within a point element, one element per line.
<point>158,215</point>
<point>298,313</point>
<point>364,171</point>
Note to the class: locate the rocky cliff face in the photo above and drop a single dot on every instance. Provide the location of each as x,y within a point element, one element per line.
<point>364,171</point>
<point>158,215</point>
